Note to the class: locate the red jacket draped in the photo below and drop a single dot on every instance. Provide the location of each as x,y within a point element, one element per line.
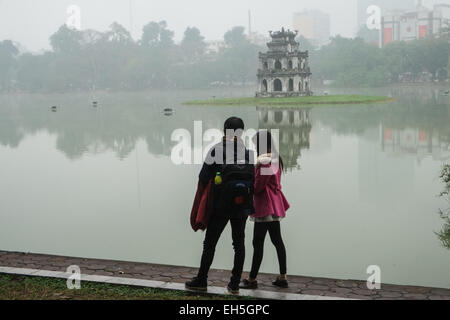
<point>201,209</point>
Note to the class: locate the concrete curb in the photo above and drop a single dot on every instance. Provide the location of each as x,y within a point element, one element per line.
<point>261,294</point>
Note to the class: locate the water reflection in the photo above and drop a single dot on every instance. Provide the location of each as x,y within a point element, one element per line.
<point>421,142</point>
<point>421,94</point>
<point>407,126</point>
<point>294,131</point>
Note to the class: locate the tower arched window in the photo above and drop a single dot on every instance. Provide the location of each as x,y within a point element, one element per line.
<point>277,85</point>
<point>278,65</point>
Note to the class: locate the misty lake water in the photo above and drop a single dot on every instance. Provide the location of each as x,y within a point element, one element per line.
<point>363,181</point>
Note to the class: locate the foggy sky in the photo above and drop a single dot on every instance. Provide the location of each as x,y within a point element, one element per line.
<point>31,22</point>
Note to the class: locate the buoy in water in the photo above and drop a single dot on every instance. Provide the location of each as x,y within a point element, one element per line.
<point>168,111</point>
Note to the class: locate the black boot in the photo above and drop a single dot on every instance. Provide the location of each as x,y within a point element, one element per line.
<point>233,288</point>
<point>281,283</point>
<point>246,284</point>
<point>197,284</point>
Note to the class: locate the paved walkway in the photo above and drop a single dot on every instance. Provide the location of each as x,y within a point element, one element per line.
<point>172,277</point>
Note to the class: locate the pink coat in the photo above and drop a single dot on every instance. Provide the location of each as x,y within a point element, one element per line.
<point>268,198</point>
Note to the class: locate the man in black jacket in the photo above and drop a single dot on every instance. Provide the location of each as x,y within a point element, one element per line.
<point>230,151</point>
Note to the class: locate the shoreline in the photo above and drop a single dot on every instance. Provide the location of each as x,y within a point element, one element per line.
<point>173,277</point>
<point>292,101</point>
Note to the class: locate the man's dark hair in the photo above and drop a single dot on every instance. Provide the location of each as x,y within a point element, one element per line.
<point>233,123</point>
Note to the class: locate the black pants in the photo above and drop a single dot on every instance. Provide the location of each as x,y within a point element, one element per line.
<point>215,228</point>
<point>259,235</point>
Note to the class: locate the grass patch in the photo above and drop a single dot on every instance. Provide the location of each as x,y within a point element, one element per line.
<point>290,101</point>
<point>14,287</point>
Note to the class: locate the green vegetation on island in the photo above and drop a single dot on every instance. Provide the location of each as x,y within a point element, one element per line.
<point>291,101</point>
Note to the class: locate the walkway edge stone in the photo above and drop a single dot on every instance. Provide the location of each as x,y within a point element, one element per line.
<point>173,277</point>
<point>262,294</point>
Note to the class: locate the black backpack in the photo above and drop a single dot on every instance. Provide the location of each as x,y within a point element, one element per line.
<point>237,187</point>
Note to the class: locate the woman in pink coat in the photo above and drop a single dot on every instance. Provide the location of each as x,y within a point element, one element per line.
<point>270,208</point>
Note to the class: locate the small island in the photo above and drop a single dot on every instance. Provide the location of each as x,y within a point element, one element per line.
<point>284,79</point>
<point>291,101</point>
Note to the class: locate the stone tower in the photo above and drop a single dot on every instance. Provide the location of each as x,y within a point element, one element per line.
<point>283,70</point>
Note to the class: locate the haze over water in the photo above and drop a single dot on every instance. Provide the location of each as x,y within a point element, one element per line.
<point>363,181</point>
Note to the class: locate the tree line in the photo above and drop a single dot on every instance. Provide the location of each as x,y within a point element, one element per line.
<point>89,59</point>
<point>113,60</point>
<point>354,62</point>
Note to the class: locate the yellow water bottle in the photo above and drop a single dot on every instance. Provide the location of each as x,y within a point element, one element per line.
<point>218,179</point>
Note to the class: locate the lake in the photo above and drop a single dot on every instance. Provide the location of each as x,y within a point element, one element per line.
<point>98,182</point>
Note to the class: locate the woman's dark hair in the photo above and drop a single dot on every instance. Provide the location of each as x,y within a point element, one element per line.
<point>268,147</point>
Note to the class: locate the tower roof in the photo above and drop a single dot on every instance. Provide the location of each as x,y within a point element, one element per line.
<point>283,35</point>
<point>281,40</point>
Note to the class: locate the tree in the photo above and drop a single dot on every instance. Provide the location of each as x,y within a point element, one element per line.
<point>238,61</point>
<point>157,55</point>
<point>444,234</point>
<point>118,34</point>
<point>435,54</point>
<point>445,35</point>
<point>36,72</point>
<point>156,34</point>
<point>351,62</point>
<point>236,37</point>
<point>369,36</point>
<point>305,44</point>
<point>8,58</point>
<point>397,58</point>
<point>193,45</point>
<point>66,40</point>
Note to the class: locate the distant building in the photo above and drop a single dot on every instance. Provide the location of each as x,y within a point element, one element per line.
<point>214,46</point>
<point>283,70</point>
<point>314,25</point>
<point>414,24</point>
<point>384,5</point>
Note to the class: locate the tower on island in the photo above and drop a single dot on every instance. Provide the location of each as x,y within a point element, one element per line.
<point>283,70</point>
